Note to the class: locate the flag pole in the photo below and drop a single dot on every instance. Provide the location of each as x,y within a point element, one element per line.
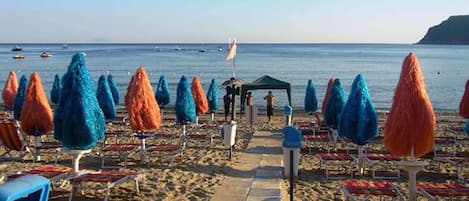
<point>233,66</point>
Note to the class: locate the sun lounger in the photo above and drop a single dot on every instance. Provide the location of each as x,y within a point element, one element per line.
<point>382,162</point>
<point>53,173</point>
<point>108,180</point>
<point>318,138</point>
<point>336,162</point>
<point>459,162</point>
<point>448,143</point>
<point>164,151</point>
<point>117,150</point>
<point>356,188</point>
<point>434,191</point>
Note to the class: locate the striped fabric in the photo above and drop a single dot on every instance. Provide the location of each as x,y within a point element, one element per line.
<point>444,190</point>
<point>369,188</point>
<point>335,156</point>
<point>9,136</point>
<point>103,177</point>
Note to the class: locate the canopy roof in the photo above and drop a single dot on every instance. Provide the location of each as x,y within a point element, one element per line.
<point>266,82</point>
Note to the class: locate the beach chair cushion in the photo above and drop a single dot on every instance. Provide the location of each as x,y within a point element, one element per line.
<point>335,156</point>
<point>381,157</point>
<point>104,177</point>
<point>444,190</point>
<point>120,147</point>
<point>377,188</point>
<point>49,172</point>
<point>320,138</point>
<point>164,148</point>
<point>10,137</point>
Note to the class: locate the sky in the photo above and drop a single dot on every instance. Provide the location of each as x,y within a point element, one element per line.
<point>215,21</point>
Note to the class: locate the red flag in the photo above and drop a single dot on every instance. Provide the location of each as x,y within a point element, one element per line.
<point>232,51</point>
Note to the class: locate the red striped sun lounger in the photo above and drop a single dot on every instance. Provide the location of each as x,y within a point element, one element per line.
<point>433,191</point>
<point>336,162</point>
<point>355,188</point>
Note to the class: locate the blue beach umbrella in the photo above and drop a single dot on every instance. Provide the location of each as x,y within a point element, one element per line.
<point>185,106</point>
<point>55,92</point>
<point>358,120</point>
<point>162,92</point>
<point>105,99</point>
<point>212,96</point>
<point>311,101</point>
<point>78,120</point>
<point>113,88</point>
<point>334,106</point>
<point>466,128</point>
<point>18,104</point>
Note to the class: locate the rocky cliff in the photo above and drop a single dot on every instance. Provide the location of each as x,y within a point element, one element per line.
<point>454,30</point>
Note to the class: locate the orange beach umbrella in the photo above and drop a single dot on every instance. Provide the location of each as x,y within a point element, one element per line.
<point>464,104</point>
<point>10,90</point>
<point>200,99</point>
<point>409,129</point>
<point>143,109</point>
<point>326,96</point>
<point>36,115</point>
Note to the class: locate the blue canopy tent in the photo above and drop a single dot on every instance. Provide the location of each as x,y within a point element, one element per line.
<point>55,92</point>
<point>18,103</point>
<point>105,99</point>
<point>113,88</point>
<point>334,106</point>
<point>212,98</point>
<point>185,106</point>
<point>78,120</point>
<point>358,120</point>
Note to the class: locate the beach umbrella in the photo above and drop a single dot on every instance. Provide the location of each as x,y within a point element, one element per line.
<point>311,101</point>
<point>185,106</point>
<point>10,90</point>
<point>212,98</point>
<point>410,126</point>
<point>113,88</point>
<point>162,92</point>
<point>78,119</point>
<point>105,99</point>
<point>334,105</point>
<point>18,103</point>
<point>55,92</point>
<point>466,128</point>
<point>141,105</point>
<point>200,99</point>
<point>464,104</point>
<point>358,120</point>
<point>326,95</point>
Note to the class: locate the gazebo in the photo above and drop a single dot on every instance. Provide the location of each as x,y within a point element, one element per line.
<point>265,82</point>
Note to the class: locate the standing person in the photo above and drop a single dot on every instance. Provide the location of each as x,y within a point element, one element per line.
<point>270,98</point>
<point>227,104</point>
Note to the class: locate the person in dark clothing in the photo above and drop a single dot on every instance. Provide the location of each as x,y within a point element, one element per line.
<point>227,104</point>
<point>270,98</point>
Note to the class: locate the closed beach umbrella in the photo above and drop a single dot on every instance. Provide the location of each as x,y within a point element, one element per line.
<point>326,95</point>
<point>162,92</point>
<point>113,88</point>
<point>212,98</point>
<point>311,101</point>
<point>464,104</point>
<point>55,92</point>
<point>358,120</point>
<point>410,127</point>
<point>10,90</point>
<point>18,104</point>
<point>141,105</point>
<point>200,99</point>
<point>78,120</point>
<point>105,99</point>
<point>36,115</point>
<point>185,106</point>
<point>335,103</point>
<point>466,128</point>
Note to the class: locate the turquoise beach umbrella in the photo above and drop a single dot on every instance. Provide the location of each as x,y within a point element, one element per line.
<point>105,99</point>
<point>185,106</point>
<point>212,96</point>
<point>334,105</point>
<point>78,119</point>
<point>311,101</point>
<point>55,92</point>
<point>113,88</point>
<point>358,120</point>
<point>18,104</point>
<point>162,92</point>
<point>466,128</point>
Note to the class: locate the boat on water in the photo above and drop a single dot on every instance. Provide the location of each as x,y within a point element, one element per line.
<point>177,48</point>
<point>202,50</point>
<point>18,56</point>
<point>220,49</point>
<point>45,55</point>
<point>17,49</point>
<point>64,46</point>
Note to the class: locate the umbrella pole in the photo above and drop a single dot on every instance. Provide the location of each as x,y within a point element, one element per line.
<point>412,166</point>
<point>197,120</point>
<point>37,143</point>
<point>360,158</point>
<point>212,119</point>
<point>183,136</point>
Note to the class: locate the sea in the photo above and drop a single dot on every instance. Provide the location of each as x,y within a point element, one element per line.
<point>445,67</point>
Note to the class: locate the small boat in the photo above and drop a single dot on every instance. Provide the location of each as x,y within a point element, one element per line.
<point>45,55</point>
<point>157,48</point>
<point>18,56</point>
<point>220,49</point>
<point>17,49</point>
<point>177,48</point>
<point>64,46</point>
<point>202,50</point>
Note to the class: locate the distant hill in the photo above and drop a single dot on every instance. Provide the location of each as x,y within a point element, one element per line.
<point>454,30</point>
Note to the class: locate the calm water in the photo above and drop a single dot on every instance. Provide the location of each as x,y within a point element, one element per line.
<point>446,68</point>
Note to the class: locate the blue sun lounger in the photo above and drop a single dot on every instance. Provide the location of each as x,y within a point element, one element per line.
<point>30,187</point>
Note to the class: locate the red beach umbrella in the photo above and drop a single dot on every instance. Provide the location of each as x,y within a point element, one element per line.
<point>143,109</point>
<point>10,90</point>
<point>464,104</point>
<point>326,96</point>
<point>36,114</point>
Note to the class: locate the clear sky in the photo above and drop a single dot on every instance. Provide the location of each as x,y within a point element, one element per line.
<point>295,21</point>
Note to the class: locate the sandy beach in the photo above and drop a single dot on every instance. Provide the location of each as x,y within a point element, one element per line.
<point>202,169</point>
